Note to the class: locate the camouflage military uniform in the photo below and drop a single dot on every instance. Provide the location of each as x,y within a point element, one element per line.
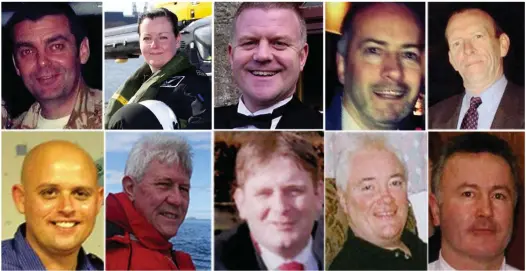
<point>87,113</point>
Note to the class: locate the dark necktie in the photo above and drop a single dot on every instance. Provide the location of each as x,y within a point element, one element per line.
<point>471,118</point>
<point>291,266</point>
<point>263,121</point>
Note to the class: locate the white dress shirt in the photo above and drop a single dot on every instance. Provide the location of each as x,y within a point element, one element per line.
<point>305,257</point>
<point>441,264</point>
<point>242,109</point>
<point>490,103</point>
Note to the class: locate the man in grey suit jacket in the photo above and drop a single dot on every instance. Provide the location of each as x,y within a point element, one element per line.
<point>477,47</point>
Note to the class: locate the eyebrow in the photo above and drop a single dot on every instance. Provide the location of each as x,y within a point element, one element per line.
<point>493,187</point>
<point>42,186</point>
<point>400,175</point>
<point>384,43</point>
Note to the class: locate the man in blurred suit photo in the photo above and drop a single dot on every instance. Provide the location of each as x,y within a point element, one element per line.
<point>278,192</point>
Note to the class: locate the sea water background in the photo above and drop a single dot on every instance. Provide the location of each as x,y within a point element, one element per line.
<point>117,73</point>
<point>194,238</point>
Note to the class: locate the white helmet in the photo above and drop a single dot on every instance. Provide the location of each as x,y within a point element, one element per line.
<point>163,113</point>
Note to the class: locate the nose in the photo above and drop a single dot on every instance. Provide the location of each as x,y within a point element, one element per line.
<point>468,47</point>
<point>385,196</point>
<point>280,203</point>
<point>66,205</point>
<point>43,60</point>
<point>392,68</point>
<point>175,196</point>
<point>485,207</point>
<point>154,43</point>
<point>263,52</point>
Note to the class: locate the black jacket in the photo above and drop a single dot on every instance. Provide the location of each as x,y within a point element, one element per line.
<point>358,254</point>
<point>295,116</point>
<point>234,249</point>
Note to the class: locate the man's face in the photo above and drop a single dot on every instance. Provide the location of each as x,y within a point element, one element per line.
<point>60,203</point>
<point>384,66</point>
<point>162,197</point>
<point>376,198</point>
<point>158,42</point>
<point>475,51</point>
<point>475,205</point>
<point>280,204</point>
<point>46,57</point>
<point>267,55</point>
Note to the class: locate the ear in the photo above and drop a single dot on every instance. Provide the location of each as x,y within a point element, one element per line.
<point>342,200</point>
<point>340,68</point>
<point>239,199</point>
<point>504,42</point>
<point>128,184</point>
<point>452,61</point>
<point>435,210</point>
<point>230,59</point>
<point>84,51</point>
<point>100,200</point>
<point>19,197</point>
<point>14,64</point>
<point>304,52</point>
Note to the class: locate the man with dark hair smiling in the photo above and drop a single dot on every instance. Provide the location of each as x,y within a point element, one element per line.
<point>49,48</point>
<point>380,62</point>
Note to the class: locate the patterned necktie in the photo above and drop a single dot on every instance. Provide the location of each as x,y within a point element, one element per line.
<point>291,266</point>
<point>471,118</point>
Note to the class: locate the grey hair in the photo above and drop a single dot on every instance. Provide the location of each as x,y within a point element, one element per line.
<point>167,149</point>
<point>361,142</point>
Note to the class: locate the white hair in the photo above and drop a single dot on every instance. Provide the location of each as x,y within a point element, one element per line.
<point>164,148</point>
<point>361,142</point>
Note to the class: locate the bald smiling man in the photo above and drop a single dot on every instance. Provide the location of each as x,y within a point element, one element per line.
<point>60,199</point>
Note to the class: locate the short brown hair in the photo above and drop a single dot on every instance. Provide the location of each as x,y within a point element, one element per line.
<point>261,147</point>
<point>294,6</point>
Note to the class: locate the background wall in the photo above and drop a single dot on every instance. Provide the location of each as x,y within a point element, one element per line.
<point>92,142</point>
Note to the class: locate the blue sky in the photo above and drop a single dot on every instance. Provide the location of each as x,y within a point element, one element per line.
<point>118,145</point>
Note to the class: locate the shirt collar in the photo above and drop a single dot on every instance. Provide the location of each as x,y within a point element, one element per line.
<point>492,92</point>
<point>443,265</point>
<point>348,122</point>
<point>30,260</point>
<point>273,261</point>
<point>242,109</point>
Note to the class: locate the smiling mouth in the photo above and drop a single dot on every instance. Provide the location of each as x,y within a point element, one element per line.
<point>169,215</point>
<point>263,73</point>
<point>65,225</point>
<point>390,93</point>
<point>385,215</point>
